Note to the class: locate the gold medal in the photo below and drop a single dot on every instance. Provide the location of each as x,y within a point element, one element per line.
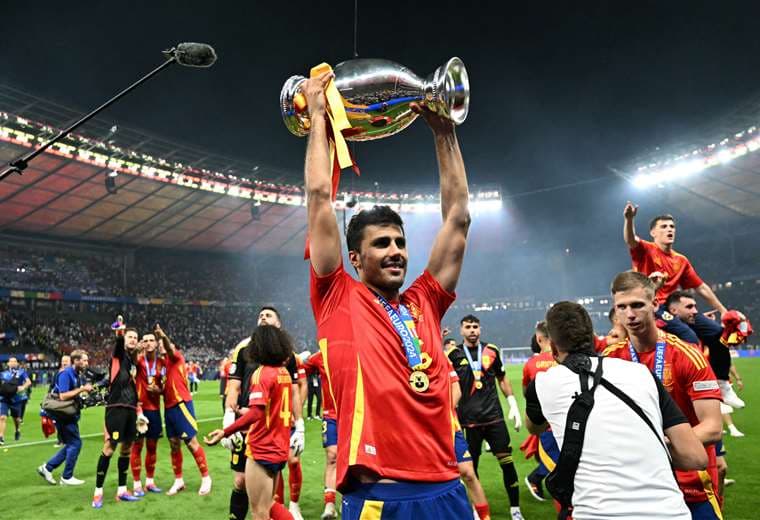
<point>478,384</point>
<point>150,380</point>
<point>419,381</point>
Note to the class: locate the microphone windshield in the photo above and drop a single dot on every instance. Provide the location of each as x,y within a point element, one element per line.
<point>193,54</point>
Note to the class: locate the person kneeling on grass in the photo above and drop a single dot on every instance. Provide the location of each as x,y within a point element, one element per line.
<point>268,422</point>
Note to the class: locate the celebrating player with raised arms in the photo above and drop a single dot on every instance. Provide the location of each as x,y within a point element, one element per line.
<point>179,413</point>
<point>381,346</point>
<point>150,375</point>
<point>267,420</point>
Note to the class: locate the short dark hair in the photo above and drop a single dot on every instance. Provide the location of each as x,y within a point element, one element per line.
<point>470,318</point>
<point>131,329</point>
<point>676,296</point>
<point>628,280</point>
<point>655,220</point>
<point>570,328</point>
<point>270,308</point>
<point>377,216</point>
<point>269,346</point>
<point>534,346</point>
<point>541,327</point>
<point>449,340</point>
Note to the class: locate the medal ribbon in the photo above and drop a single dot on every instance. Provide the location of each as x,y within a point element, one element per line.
<point>403,323</point>
<point>659,357</point>
<point>151,372</point>
<point>476,366</point>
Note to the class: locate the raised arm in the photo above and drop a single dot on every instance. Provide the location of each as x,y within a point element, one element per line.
<point>446,257</point>
<point>705,292</point>
<point>171,349</point>
<point>629,230</point>
<point>324,237</point>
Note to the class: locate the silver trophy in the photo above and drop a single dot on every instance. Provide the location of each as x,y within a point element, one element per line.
<point>377,93</point>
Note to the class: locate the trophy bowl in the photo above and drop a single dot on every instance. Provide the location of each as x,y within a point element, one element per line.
<point>377,93</point>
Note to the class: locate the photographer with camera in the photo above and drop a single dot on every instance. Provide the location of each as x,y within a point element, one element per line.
<point>69,385</point>
<point>620,433</point>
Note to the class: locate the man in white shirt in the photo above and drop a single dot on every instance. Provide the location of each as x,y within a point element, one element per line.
<point>624,471</point>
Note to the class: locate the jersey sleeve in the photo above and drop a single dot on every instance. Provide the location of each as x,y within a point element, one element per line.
<point>237,364</point>
<point>527,376</point>
<point>690,279</point>
<point>292,367</point>
<point>532,405</point>
<point>639,252</point>
<point>65,382</point>
<point>311,365</point>
<point>327,291</point>
<point>498,366</point>
<point>453,376</point>
<point>261,386</point>
<point>698,377</point>
<point>427,289</point>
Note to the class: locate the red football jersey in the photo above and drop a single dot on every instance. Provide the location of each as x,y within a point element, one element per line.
<point>149,400</point>
<point>269,438</point>
<point>314,364</point>
<point>386,427</point>
<point>175,388</point>
<point>687,377</point>
<point>648,258</point>
<point>538,363</point>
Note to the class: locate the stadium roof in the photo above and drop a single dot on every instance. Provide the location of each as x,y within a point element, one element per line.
<point>163,194</point>
<point>714,173</point>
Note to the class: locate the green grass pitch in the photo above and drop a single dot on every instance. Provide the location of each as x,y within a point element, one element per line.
<point>26,496</point>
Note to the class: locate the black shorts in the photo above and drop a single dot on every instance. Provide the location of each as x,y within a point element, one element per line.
<point>495,434</point>
<point>121,424</point>
<point>237,458</point>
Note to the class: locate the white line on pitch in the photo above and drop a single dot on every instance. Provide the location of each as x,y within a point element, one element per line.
<point>52,441</point>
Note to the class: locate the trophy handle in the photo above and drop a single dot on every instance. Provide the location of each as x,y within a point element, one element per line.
<point>451,88</point>
<point>293,107</point>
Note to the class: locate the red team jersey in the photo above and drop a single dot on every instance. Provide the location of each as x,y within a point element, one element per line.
<point>175,387</point>
<point>687,377</point>
<point>314,364</point>
<point>148,400</point>
<point>538,363</point>
<point>648,258</point>
<point>386,427</point>
<point>269,439</point>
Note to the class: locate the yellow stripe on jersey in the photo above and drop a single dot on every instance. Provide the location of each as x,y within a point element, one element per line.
<point>711,498</point>
<point>614,347</point>
<point>240,346</point>
<point>544,457</point>
<point>188,416</point>
<point>688,349</point>
<point>323,350</point>
<point>371,510</point>
<point>358,420</point>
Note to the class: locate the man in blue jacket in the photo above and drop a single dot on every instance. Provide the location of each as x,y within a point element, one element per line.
<point>10,401</point>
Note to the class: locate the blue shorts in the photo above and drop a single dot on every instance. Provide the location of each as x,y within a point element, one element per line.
<point>548,453</point>
<point>704,511</point>
<point>720,449</point>
<point>15,409</point>
<point>154,424</point>
<point>329,432</point>
<point>460,448</point>
<point>180,421</point>
<point>271,467</point>
<point>407,501</point>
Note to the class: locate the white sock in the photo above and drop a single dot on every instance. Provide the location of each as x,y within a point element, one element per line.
<point>149,482</point>
<point>513,509</point>
<point>137,485</point>
<point>98,492</point>
<point>179,482</point>
<point>121,490</point>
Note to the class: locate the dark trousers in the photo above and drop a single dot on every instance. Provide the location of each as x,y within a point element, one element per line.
<point>72,445</point>
<point>315,392</point>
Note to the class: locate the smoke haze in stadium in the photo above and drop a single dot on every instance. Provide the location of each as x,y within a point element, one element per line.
<point>558,95</point>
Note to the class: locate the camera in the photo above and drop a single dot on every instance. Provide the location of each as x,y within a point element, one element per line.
<point>99,382</point>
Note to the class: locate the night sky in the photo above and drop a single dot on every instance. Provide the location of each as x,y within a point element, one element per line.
<point>559,91</point>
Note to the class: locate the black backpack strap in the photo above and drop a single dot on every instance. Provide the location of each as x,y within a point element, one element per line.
<point>560,481</point>
<point>636,408</point>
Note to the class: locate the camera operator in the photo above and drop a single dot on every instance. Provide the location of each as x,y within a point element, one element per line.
<point>621,466</point>
<point>69,385</point>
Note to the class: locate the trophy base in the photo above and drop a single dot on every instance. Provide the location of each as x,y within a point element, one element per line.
<point>452,86</point>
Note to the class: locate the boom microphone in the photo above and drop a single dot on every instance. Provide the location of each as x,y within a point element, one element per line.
<point>192,54</point>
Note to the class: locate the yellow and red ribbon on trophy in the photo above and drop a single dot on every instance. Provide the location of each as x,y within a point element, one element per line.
<point>340,156</point>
